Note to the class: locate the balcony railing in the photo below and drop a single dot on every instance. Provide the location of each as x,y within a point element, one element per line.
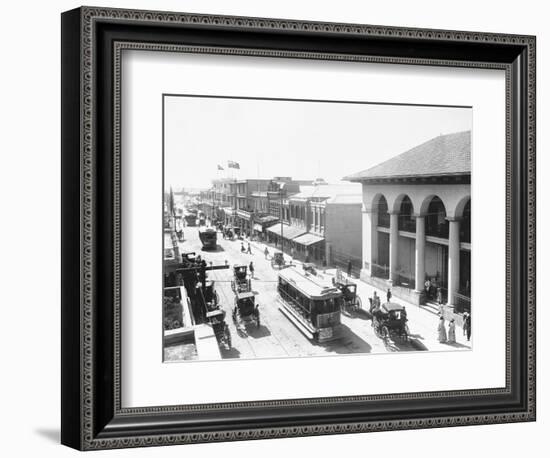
<point>462,303</point>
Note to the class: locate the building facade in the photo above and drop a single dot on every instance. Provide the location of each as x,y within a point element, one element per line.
<point>322,224</point>
<point>416,222</point>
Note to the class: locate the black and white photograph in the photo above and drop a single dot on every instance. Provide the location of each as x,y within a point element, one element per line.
<point>311,228</point>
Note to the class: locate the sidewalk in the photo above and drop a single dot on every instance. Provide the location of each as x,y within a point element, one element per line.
<point>422,322</point>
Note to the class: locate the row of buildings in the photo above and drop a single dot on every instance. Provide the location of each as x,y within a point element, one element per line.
<point>404,223</point>
<point>312,220</point>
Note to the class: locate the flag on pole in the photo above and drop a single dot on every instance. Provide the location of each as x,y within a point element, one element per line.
<point>233,165</point>
<point>220,167</point>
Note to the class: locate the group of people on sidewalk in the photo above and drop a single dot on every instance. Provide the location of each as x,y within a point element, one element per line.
<point>448,335</point>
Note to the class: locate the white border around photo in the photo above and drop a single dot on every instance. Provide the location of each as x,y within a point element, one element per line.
<point>146,381</point>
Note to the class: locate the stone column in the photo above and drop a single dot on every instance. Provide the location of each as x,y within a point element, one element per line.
<point>370,242</point>
<point>454,259</point>
<point>419,253</point>
<point>328,252</point>
<point>394,242</point>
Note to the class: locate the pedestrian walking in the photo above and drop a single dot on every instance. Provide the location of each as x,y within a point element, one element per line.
<point>467,325</point>
<point>251,267</point>
<point>375,303</point>
<point>388,295</point>
<point>249,250</point>
<point>349,269</point>
<point>292,252</point>
<point>442,333</point>
<point>266,253</point>
<point>242,247</point>
<point>452,333</point>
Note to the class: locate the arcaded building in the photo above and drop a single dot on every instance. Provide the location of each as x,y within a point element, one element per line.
<point>416,222</point>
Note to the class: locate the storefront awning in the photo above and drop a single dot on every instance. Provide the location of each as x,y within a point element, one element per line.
<point>289,232</point>
<point>228,211</point>
<point>258,227</point>
<point>269,219</point>
<point>308,239</point>
<point>244,214</point>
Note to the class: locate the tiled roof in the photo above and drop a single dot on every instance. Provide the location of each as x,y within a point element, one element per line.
<point>443,155</point>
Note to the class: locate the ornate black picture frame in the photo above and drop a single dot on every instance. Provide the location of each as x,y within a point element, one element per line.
<point>92,40</point>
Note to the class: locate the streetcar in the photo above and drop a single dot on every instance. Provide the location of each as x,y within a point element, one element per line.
<point>190,219</point>
<point>209,238</point>
<point>311,303</point>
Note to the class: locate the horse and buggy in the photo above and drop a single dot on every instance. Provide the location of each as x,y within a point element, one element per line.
<point>215,315</point>
<point>245,311</point>
<point>240,283</point>
<point>351,302</point>
<point>389,321</point>
<point>278,260</point>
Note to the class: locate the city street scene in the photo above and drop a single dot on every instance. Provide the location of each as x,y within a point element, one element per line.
<point>311,228</point>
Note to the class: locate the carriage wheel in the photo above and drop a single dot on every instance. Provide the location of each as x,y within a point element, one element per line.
<point>234,314</point>
<point>385,332</point>
<point>358,302</point>
<point>216,298</point>
<point>233,285</point>
<point>258,320</point>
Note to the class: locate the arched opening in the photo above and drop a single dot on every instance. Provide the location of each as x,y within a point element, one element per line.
<point>405,220</point>
<point>382,210</point>
<point>436,219</point>
<point>465,225</point>
<point>405,267</point>
<point>436,251</point>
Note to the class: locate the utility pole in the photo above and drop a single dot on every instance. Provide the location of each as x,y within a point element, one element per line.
<point>281,215</point>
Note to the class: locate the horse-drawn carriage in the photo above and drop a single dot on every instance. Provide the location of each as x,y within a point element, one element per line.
<point>240,283</point>
<point>351,302</point>
<point>278,260</point>
<point>211,298</point>
<point>246,311</point>
<point>389,320</point>
<point>216,318</point>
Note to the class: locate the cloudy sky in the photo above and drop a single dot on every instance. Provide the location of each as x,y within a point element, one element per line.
<point>304,140</point>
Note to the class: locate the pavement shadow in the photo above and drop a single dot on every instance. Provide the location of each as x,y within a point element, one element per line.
<point>401,345</point>
<point>349,343</point>
<point>258,333</point>
<point>416,336</point>
<point>231,353</point>
<point>419,346</point>
<point>456,345</point>
<point>218,249</point>
<point>360,314</point>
